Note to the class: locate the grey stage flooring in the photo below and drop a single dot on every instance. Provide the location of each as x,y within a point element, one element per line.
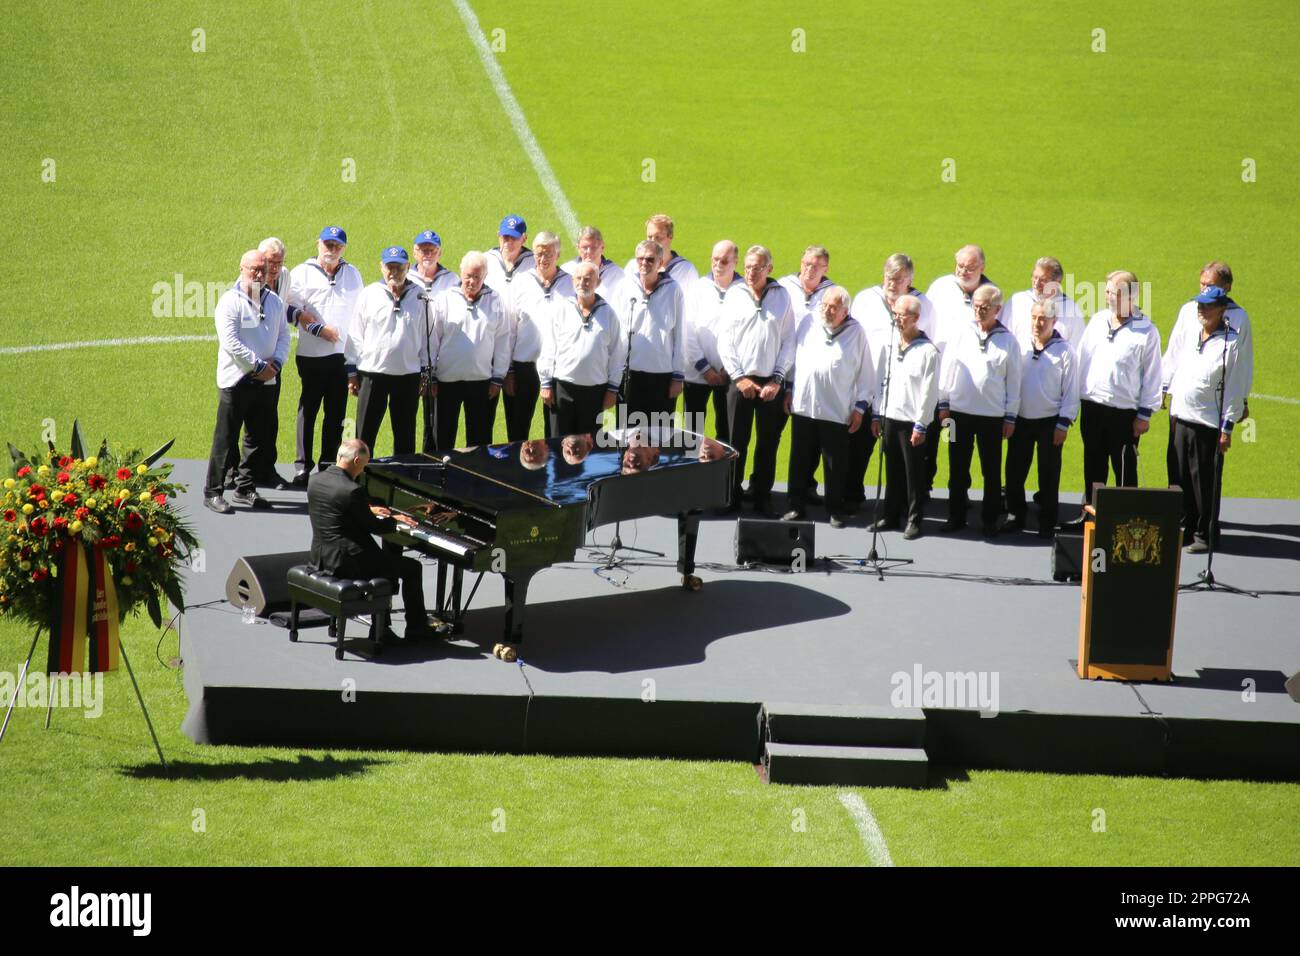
<point>820,637</point>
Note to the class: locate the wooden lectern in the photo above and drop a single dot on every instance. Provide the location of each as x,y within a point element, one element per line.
<point>1131,555</point>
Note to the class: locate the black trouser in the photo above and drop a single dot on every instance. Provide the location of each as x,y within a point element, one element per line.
<point>324,381</point>
<point>521,405</point>
<point>379,393</point>
<point>575,409</point>
<point>428,418</point>
<point>904,472</point>
<point>695,399</point>
<point>1108,442</point>
<point>647,393</point>
<point>232,459</point>
<point>970,431</point>
<point>1171,456</point>
<point>933,435</point>
<point>741,416</point>
<point>1034,433</point>
<point>1200,469</point>
<point>812,439</point>
<point>408,571</point>
<point>249,405</point>
<point>479,411</point>
<point>858,457</point>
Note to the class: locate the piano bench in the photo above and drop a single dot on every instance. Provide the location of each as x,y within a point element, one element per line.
<point>340,598</point>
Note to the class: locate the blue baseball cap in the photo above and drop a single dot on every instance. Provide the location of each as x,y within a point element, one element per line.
<point>428,236</point>
<point>513,226</point>
<point>395,254</point>
<point>1214,295</point>
<point>334,234</point>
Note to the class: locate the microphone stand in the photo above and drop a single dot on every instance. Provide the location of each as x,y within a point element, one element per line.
<point>1205,581</point>
<point>612,560</point>
<point>873,559</point>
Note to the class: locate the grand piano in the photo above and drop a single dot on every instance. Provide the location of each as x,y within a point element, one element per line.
<point>518,508</point>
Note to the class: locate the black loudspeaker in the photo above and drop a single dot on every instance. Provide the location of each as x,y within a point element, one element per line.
<point>261,580</point>
<point>774,542</point>
<point>1067,557</point>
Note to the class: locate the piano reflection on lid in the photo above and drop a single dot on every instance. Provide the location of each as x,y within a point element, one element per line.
<point>518,508</point>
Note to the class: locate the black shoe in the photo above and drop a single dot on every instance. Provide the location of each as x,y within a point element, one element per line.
<point>912,533</point>
<point>763,506</point>
<point>812,497</point>
<point>837,521</point>
<point>794,514</point>
<point>852,507</point>
<point>1014,525</point>
<point>1074,524</point>
<point>1197,547</point>
<point>1047,530</point>
<point>218,504</point>
<point>728,510</point>
<point>884,524</point>
<point>746,495</point>
<point>952,525</point>
<point>250,498</point>
<point>989,528</point>
<point>273,481</point>
<point>299,481</point>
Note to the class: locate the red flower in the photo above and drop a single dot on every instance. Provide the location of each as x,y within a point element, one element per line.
<point>81,514</point>
<point>161,550</point>
<point>119,504</point>
<point>123,474</point>
<point>133,521</point>
<point>110,541</point>
<point>40,574</point>
<point>160,498</point>
<point>70,498</point>
<point>36,491</point>
<point>96,482</point>
<point>24,471</point>
<point>65,461</point>
<point>25,553</point>
<point>60,523</point>
<point>40,527</point>
<point>11,515</point>
<point>64,477</point>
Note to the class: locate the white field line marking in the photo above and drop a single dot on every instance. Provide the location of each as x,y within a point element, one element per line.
<point>1276,398</point>
<point>517,120</point>
<point>104,343</point>
<point>868,829</point>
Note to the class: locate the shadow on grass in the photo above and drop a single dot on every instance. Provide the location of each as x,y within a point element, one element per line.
<point>304,768</point>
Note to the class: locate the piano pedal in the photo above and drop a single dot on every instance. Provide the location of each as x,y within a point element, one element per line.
<point>691,583</point>
<point>506,652</point>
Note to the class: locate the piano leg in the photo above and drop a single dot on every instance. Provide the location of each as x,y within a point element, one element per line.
<point>516,599</point>
<point>688,528</point>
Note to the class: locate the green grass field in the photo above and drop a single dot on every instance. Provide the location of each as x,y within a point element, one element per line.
<point>133,158</point>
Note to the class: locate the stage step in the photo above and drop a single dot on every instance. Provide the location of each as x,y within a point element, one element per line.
<point>846,766</point>
<point>845,725</point>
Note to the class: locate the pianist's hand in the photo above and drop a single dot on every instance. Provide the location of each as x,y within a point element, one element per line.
<point>379,511</point>
<point>405,520</point>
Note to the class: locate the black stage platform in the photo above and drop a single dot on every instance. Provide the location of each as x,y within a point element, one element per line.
<point>625,662</point>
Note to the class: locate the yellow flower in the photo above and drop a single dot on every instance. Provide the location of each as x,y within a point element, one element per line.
<point>145,496</point>
<point>43,470</point>
<point>90,502</point>
<point>129,546</point>
<point>153,542</point>
<point>126,579</point>
<point>123,493</point>
<point>57,496</point>
<point>9,483</point>
<point>24,565</point>
<point>92,461</point>
<point>75,527</point>
<point>28,509</point>
<point>43,503</point>
<point>142,469</point>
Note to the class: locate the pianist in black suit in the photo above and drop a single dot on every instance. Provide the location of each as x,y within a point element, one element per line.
<point>342,524</point>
